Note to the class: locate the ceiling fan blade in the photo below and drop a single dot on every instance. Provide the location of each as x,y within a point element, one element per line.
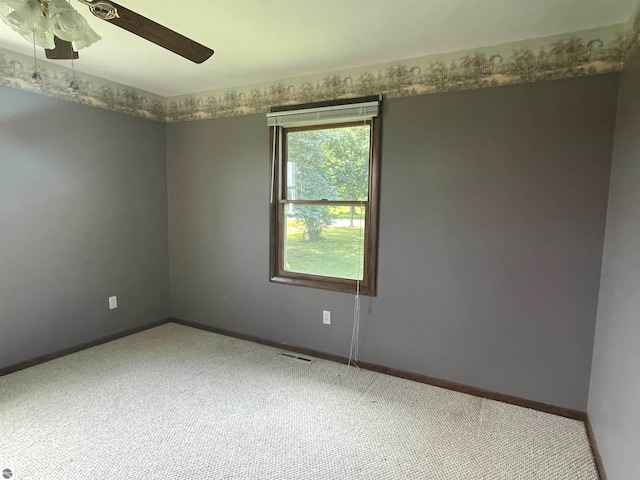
<point>152,31</point>
<point>62,51</point>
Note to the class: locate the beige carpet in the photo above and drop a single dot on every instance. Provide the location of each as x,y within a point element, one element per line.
<point>178,403</point>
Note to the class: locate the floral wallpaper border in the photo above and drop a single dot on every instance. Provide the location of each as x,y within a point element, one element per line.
<point>576,54</point>
<point>16,70</point>
<point>582,53</point>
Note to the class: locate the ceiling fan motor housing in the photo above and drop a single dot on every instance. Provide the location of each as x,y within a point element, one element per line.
<point>104,10</point>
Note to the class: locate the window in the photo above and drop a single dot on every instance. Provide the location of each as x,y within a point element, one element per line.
<point>324,200</point>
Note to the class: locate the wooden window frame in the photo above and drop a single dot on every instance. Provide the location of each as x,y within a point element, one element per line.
<point>368,284</point>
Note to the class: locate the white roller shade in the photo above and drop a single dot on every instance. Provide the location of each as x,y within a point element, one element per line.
<point>322,115</point>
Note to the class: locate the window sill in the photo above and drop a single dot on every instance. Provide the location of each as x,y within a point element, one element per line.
<point>333,284</point>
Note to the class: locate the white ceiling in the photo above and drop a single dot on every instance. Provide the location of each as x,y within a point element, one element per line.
<point>262,40</point>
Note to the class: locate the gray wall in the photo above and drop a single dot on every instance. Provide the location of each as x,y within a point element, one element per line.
<point>615,380</point>
<point>82,217</point>
<point>492,221</point>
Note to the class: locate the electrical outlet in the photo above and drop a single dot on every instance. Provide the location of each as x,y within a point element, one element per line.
<point>326,317</point>
<point>113,303</point>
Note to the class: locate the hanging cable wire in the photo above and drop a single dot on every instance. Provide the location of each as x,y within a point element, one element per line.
<point>36,78</point>
<point>355,331</point>
<point>73,85</point>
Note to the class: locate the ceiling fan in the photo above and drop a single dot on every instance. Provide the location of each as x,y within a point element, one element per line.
<point>61,30</point>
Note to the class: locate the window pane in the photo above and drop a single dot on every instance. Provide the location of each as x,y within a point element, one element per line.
<point>327,241</point>
<point>329,163</point>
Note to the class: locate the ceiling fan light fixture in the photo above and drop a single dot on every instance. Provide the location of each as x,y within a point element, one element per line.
<point>27,18</point>
<point>17,22</point>
<point>69,26</point>
<point>40,21</point>
<point>89,38</point>
<point>27,9</point>
<point>21,15</point>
